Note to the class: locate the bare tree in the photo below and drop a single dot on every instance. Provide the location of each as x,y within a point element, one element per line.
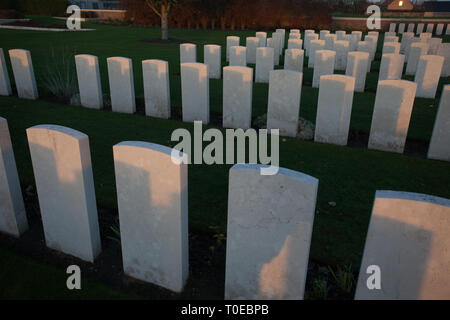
<point>162,9</point>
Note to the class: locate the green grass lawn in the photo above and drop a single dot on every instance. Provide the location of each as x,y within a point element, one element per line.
<point>347,176</point>
<point>22,278</point>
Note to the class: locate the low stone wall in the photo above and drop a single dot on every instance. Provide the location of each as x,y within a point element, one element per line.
<point>107,14</point>
<point>360,23</point>
<point>5,21</point>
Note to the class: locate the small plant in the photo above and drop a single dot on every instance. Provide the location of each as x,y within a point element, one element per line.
<point>60,78</point>
<point>344,278</point>
<point>115,228</point>
<point>218,235</point>
<point>320,289</point>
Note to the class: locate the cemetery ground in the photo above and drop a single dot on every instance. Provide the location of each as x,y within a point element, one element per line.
<point>348,176</point>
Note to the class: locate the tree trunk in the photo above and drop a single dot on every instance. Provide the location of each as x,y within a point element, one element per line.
<point>164,23</point>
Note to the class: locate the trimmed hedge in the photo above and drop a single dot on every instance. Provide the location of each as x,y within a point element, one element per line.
<point>35,7</point>
<point>234,14</point>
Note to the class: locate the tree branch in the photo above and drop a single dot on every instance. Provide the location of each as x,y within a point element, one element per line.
<point>152,6</point>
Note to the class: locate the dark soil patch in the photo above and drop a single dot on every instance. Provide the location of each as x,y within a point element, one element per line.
<point>413,147</point>
<point>356,138</point>
<point>207,253</point>
<point>206,257</point>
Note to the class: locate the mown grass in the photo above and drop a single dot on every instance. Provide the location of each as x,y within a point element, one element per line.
<point>108,41</point>
<point>22,278</point>
<point>347,176</point>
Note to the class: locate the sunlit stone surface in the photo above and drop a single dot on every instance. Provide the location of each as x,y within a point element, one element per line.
<point>270,221</point>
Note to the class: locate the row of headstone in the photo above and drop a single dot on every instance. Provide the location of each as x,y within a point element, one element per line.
<point>195,83</point>
<point>151,195</point>
<point>121,83</point>
<point>394,97</point>
<point>270,219</point>
<point>439,30</point>
<point>22,67</point>
<point>427,58</point>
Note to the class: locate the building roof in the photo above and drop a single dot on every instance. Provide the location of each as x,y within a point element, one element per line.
<point>436,6</point>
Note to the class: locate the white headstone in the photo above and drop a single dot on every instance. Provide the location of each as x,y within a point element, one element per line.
<point>264,64</point>
<point>392,112</point>
<point>357,67</point>
<point>238,56</point>
<point>354,37</point>
<point>282,33</point>
<point>65,186</point>
<point>314,45</point>
<point>121,84</point>
<point>195,92</point>
<point>232,41</point>
<point>284,101</point>
<point>434,45</point>
<point>391,66</point>
<point>308,38</point>
<point>390,39</point>
<point>295,44</point>
<point>408,241</point>
<point>340,35</point>
<point>213,58</point>
<point>392,27</point>
<point>323,65</point>
<point>156,88</point>
<point>152,196</point>
<point>262,36</point>
<point>237,97</point>
<point>444,51</point>
<point>341,47</point>
<point>365,46</point>
<point>406,41</point>
<point>373,41</point>
<point>270,221</point>
<point>323,33</point>
<point>278,42</point>
<point>358,35</point>
<point>88,74</point>
<point>188,52</point>
<point>408,47</point>
<point>424,37</point>
<point>294,59</point>
<point>334,109</point>
<point>330,39</point>
<point>391,47</point>
<point>439,29</point>
<point>427,75</point>
<point>251,44</point>
<point>5,84</point>
<point>417,49</point>
<point>440,140</point>
<point>276,56</point>
<point>23,71</point>
<point>13,219</point>
<point>419,29</point>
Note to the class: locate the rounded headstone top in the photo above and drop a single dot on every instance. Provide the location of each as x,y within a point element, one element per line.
<point>59,129</point>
